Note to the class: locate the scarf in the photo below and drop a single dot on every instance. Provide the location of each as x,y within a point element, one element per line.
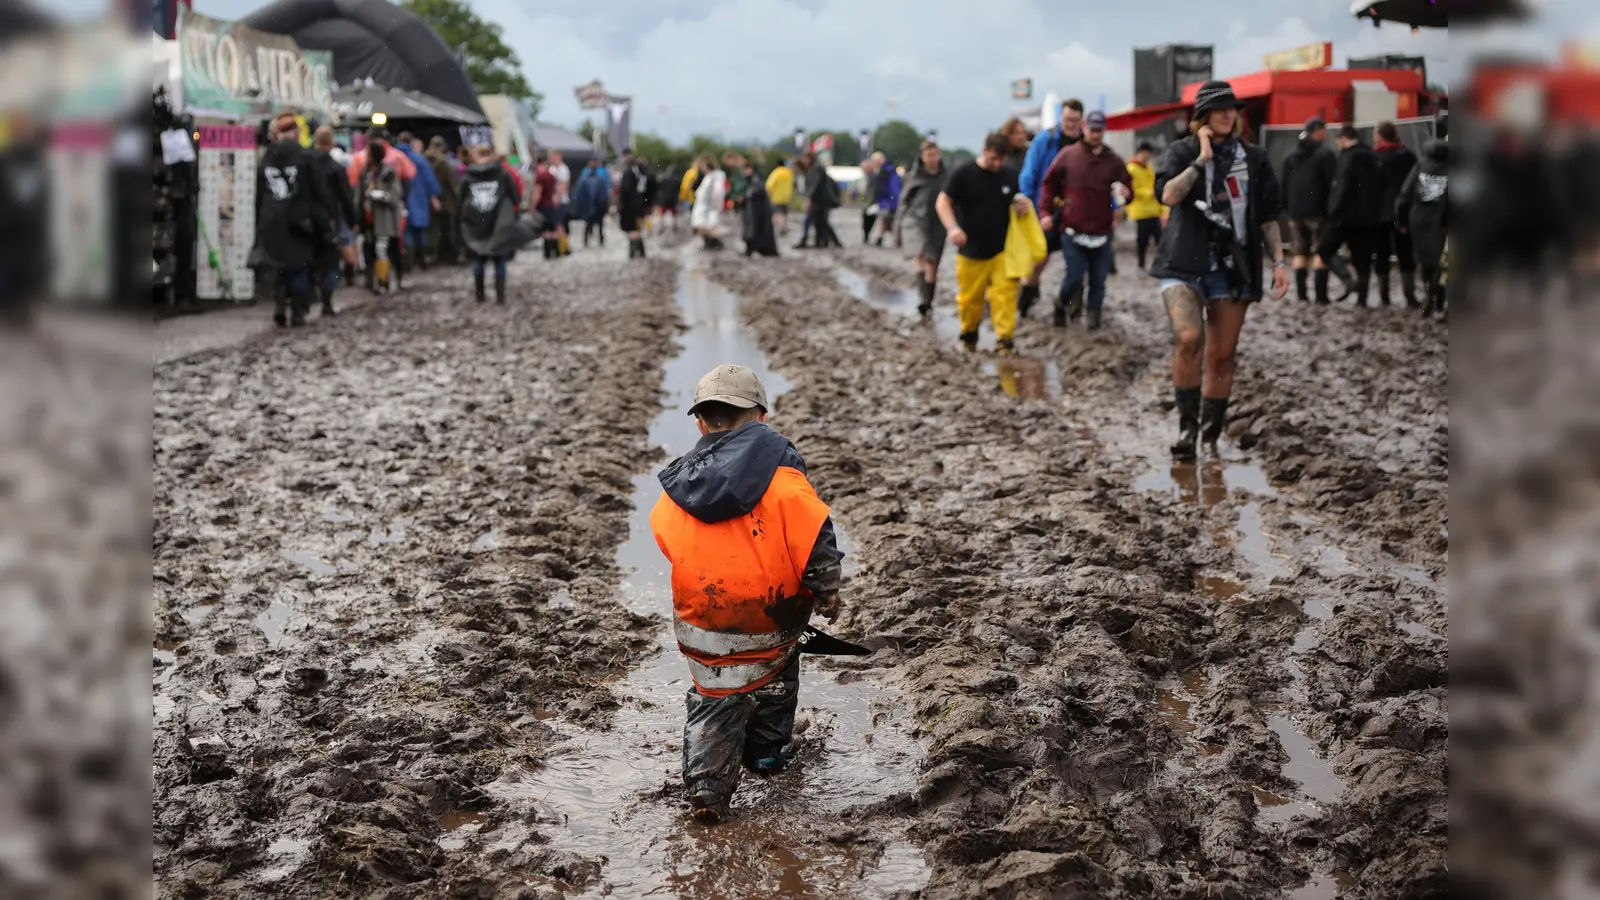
<point>1382,144</point>
<point>1229,207</point>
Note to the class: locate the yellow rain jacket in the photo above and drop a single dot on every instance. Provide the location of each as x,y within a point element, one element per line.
<point>686,189</point>
<point>1025,245</point>
<point>780,186</point>
<point>1144,204</point>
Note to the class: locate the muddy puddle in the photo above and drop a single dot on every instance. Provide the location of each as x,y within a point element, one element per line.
<point>617,794</point>
<point>1220,486</point>
<point>1019,377</point>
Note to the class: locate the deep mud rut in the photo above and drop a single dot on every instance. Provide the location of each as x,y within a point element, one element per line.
<point>409,635</point>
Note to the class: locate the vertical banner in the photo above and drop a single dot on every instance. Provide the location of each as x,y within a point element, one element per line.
<point>227,207</point>
<point>866,143</point>
<point>619,115</point>
<point>799,140</point>
<point>932,136</point>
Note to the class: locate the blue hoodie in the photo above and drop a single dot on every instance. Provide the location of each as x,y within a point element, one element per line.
<point>1041,153</point>
<point>726,475</point>
<point>888,188</point>
<point>424,188</point>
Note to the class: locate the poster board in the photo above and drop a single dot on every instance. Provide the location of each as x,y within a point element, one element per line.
<point>227,205</point>
<point>248,73</point>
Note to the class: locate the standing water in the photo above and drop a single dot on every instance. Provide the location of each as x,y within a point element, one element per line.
<point>618,794</point>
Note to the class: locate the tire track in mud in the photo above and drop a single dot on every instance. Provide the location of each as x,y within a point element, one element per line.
<point>1364,671</point>
<point>384,558</point>
<point>1259,654</point>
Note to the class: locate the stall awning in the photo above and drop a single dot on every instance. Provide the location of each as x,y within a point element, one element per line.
<point>361,101</point>
<point>1144,116</point>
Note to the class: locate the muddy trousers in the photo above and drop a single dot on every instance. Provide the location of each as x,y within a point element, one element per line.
<point>722,734</point>
<point>1148,235</point>
<point>978,279</point>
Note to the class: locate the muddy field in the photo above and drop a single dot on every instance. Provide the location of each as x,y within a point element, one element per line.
<point>409,637</point>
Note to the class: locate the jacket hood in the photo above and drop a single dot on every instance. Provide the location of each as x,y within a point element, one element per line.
<point>1306,147</point>
<point>727,473</point>
<point>1437,150</point>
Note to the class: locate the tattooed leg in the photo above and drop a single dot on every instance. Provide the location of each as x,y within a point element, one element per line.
<point>1186,314</point>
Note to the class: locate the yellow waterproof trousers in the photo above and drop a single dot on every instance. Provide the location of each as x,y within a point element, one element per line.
<point>974,279</point>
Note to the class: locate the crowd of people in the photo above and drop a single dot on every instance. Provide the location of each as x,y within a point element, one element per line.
<point>1208,216</point>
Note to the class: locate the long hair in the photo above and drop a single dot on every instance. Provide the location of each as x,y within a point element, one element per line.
<point>1241,127</point>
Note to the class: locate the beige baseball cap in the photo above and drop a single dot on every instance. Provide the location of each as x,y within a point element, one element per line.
<point>737,386</point>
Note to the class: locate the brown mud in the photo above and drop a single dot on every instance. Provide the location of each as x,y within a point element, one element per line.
<point>1054,587</point>
<point>409,636</point>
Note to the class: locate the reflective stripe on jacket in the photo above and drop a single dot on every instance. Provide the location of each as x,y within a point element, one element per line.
<point>737,599</point>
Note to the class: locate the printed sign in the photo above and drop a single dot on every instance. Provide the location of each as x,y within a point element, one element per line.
<point>227,204</point>
<point>591,95</point>
<point>1022,89</point>
<point>1300,59</point>
<point>233,69</point>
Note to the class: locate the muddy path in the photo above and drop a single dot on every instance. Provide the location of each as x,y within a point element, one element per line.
<point>1138,679</point>
<point>384,572</point>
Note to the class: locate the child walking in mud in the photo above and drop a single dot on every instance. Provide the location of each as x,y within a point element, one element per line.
<point>753,556</point>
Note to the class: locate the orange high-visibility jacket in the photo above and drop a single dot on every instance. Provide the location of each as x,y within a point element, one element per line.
<point>737,603</point>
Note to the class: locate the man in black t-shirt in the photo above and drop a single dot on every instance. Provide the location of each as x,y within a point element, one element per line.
<point>975,208</point>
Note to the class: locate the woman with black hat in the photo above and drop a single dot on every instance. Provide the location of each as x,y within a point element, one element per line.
<point>1224,221</point>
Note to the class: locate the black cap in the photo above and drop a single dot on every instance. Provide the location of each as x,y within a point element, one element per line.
<point>1215,94</point>
<point>1315,123</point>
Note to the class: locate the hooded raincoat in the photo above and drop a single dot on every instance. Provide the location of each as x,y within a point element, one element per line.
<point>920,229</point>
<point>422,191</point>
<point>759,237</point>
<point>708,200</point>
<point>488,202</point>
<point>592,196</point>
<point>1424,204</point>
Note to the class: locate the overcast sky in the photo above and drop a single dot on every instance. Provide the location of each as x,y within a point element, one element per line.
<point>756,68</point>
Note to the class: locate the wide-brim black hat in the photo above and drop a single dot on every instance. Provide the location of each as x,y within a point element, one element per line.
<point>1215,95</point>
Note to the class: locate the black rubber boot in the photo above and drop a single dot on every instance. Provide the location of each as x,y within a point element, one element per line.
<point>1093,319</point>
<point>1320,277</point>
<point>477,287</point>
<point>1342,272</point>
<point>326,296</point>
<point>969,340</point>
<point>925,308</point>
<point>299,306</point>
<point>1213,416</point>
<point>1026,297</point>
<point>1188,423</point>
<point>1363,284</point>
<point>500,289</point>
<point>1075,303</point>
<point>1300,276</point>
<point>639,245</point>
<point>1408,287</point>
<point>1383,287</point>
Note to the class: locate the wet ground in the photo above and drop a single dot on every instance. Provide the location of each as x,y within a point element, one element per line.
<point>410,635</point>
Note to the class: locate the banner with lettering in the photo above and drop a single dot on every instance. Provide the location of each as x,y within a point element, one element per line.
<point>233,69</point>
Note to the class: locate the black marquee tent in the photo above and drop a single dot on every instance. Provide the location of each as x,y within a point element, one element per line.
<point>372,39</point>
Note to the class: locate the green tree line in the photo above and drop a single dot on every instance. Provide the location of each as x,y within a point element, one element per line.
<point>896,138</point>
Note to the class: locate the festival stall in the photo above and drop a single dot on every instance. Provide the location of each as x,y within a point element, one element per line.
<point>225,81</point>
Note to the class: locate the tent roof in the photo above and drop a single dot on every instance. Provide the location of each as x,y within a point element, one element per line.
<point>1439,13</point>
<point>372,39</point>
<point>399,104</point>
<point>554,137</point>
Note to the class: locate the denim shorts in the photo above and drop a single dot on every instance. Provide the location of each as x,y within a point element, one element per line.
<point>1213,285</point>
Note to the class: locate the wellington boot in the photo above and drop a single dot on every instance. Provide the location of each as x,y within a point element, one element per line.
<point>327,303</point>
<point>969,340</point>
<point>1300,276</point>
<point>1383,288</point>
<point>925,308</point>
<point>1005,347</point>
<point>1188,423</point>
<point>1408,287</point>
<point>1027,295</point>
<point>1092,319</point>
<point>1320,278</point>
<point>1213,417</point>
<point>500,289</point>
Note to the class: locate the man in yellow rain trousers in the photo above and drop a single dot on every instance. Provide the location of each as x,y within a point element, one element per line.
<point>978,206</point>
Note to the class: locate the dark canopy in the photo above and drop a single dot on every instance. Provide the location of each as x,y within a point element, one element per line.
<point>1439,13</point>
<point>372,39</point>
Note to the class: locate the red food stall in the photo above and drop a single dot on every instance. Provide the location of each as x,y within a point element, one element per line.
<point>1289,98</point>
